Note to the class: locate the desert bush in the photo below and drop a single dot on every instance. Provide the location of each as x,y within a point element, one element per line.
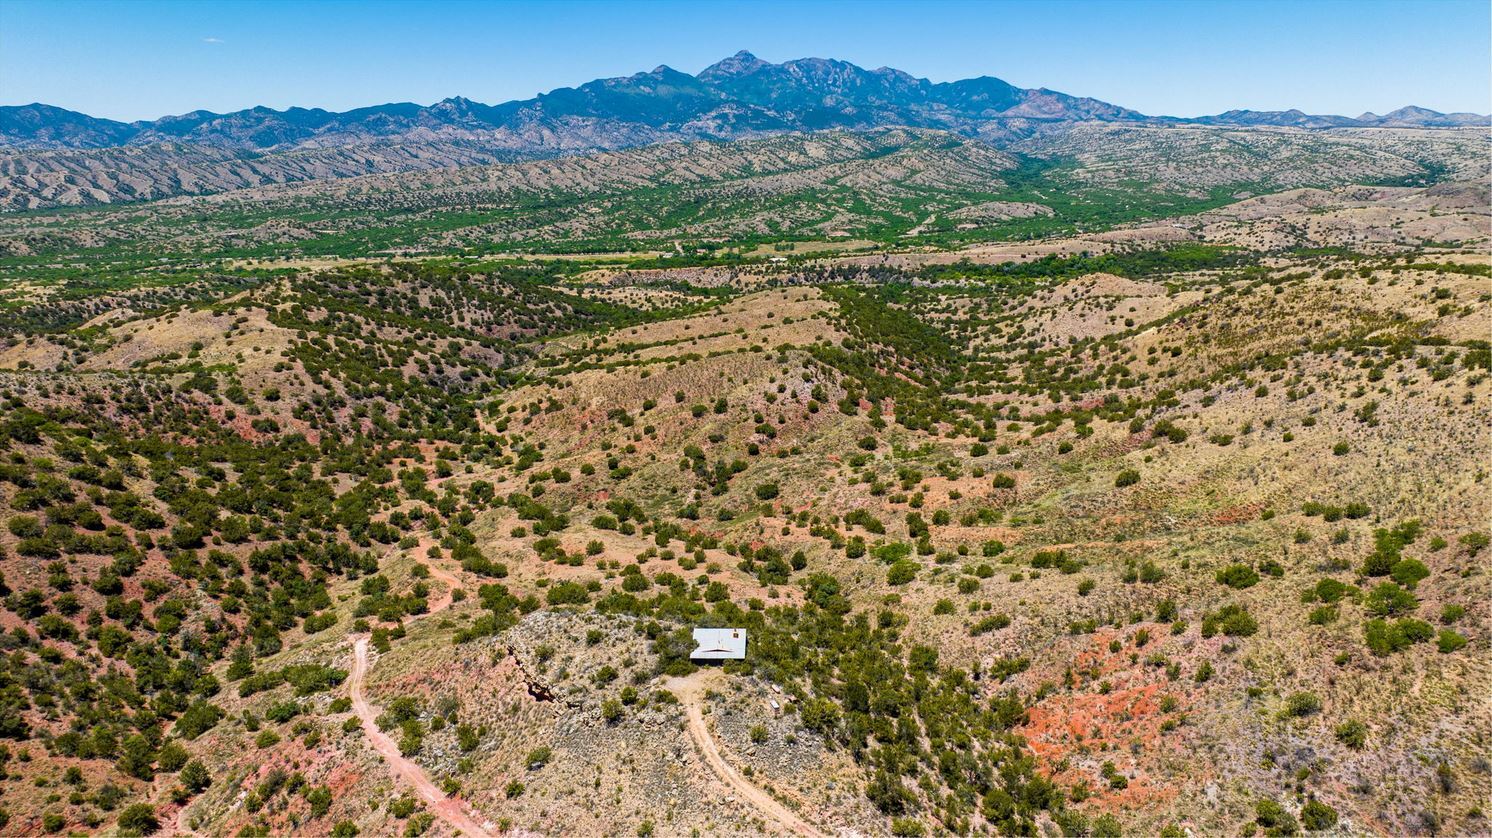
<point>1389,599</point>
<point>1274,818</point>
<point>139,819</point>
<point>1237,576</point>
<point>1449,641</point>
<point>1302,704</point>
<point>1384,638</point>
<point>901,572</point>
<point>1317,816</point>
<point>1352,733</point>
<point>1232,620</point>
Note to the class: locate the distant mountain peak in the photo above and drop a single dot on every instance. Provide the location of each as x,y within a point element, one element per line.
<point>741,64</point>
<point>741,95</point>
<point>1410,116</point>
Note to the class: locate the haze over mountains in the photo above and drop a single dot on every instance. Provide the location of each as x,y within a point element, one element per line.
<point>739,96</point>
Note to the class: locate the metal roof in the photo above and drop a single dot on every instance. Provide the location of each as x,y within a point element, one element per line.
<point>717,644</point>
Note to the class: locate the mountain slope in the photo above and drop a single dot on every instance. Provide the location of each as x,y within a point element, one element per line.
<point>1407,117</point>
<point>83,177</point>
<point>46,126</point>
<point>894,187</point>
<point>795,184</point>
<point>54,157</point>
<point>734,97</point>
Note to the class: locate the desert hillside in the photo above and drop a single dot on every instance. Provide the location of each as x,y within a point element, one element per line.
<point>1164,524</point>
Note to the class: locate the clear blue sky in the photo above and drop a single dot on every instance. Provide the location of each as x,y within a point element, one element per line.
<point>133,59</point>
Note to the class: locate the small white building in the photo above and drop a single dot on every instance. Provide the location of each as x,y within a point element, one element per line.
<point>719,644</point>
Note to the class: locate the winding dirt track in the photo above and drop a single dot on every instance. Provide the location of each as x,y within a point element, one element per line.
<point>455,812</point>
<point>448,809</point>
<point>443,601</point>
<point>690,692</point>
<point>460,816</point>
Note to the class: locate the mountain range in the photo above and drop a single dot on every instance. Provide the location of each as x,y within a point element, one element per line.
<point>739,96</point>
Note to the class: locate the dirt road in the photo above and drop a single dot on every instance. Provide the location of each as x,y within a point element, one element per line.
<point>448,809</point>
<point>690,692</point>
<point>454,812</point>
<point>439,574</point>
<point>460,816</point>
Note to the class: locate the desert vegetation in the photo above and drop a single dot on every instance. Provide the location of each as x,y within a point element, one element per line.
<point>1158,510</point>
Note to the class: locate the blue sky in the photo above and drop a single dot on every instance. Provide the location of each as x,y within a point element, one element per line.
<point>133,59</point>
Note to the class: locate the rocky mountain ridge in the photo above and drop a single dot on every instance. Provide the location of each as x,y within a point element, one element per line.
<point>739,96</point>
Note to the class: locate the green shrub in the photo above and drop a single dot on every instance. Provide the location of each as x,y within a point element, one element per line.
<point>1330,590</point>
<point>320,798</point>
<point>1388,599</point>
<point>139,819</point>
<point>1106,826</point>
<point>1165,428</point>
<point>319,622</point>
<point>1317,816</point>
<point>993,622</point>
<point>891,553</point>
<point>1409,572</point>
<point>1449,641</point>
<point>171,757</point>
<point>199,719</point>
<point>907,828</point>
<point>1302,704</point>
<point>402,807</point>
<point>1385,638</point>
<point>1274,818</point>
<point>1352,733</point>
<point>538,758</point>
<point>901,572</point>
<point>195,777</point>
<point>567,593</point>
<point>1237,576</point>
<point>1387,544</point>
<point>1232,620</point>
